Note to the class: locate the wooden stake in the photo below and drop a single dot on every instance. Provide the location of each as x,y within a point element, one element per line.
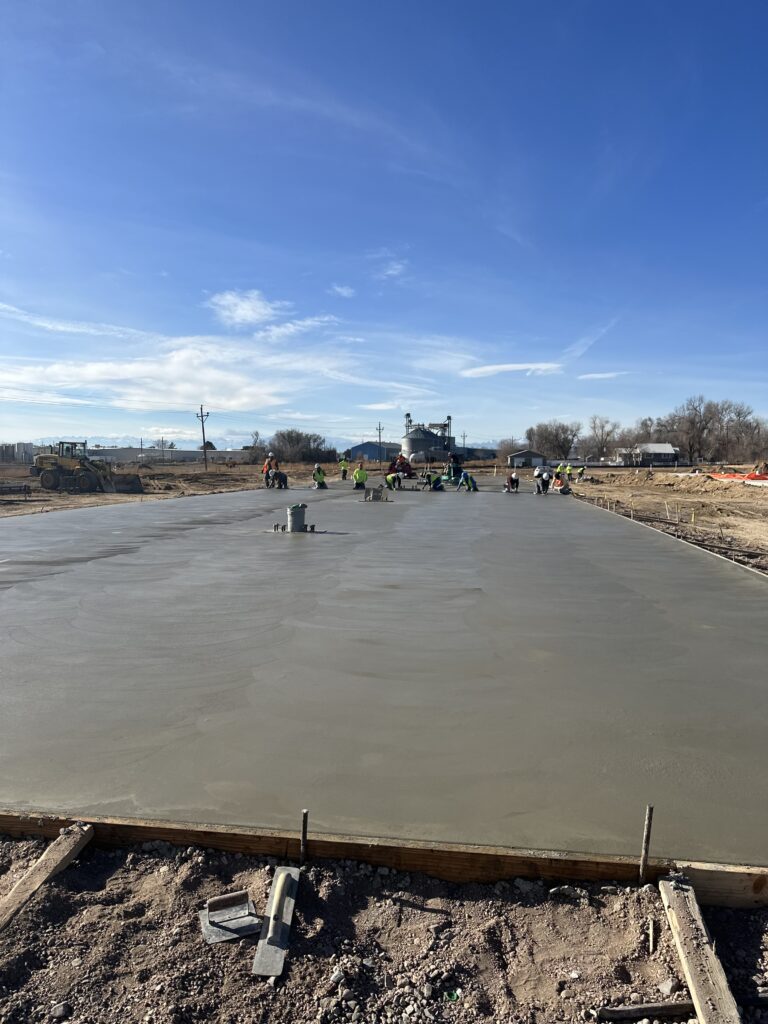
<point>646,841</point>
<point>703,971</point>
<point>651,936</point>
<point>54,858</point>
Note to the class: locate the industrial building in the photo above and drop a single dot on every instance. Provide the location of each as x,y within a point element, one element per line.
<point>17,451</point>
<point>371,451</point>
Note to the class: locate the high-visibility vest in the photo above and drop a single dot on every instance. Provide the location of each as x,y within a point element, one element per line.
<point>318,476</point>
<point>360,476</point>
<point>343,464</point>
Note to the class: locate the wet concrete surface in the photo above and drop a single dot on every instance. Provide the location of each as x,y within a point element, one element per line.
<point>485,668</point>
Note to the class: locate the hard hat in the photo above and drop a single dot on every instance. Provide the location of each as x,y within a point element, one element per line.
<point>317,465</point>
<point>270,455</point>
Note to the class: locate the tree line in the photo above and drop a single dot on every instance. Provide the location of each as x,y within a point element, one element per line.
<point>704,430</point>
<point>290,446</point>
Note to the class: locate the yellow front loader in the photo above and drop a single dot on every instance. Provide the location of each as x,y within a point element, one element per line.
<point>70,469</point>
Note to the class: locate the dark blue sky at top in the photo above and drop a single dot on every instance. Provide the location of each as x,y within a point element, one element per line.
<point>446,208</point>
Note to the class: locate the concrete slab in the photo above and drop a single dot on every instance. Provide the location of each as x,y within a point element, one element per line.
<point>484,668</point>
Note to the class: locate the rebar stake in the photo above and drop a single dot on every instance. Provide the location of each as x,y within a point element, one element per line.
<point>304,824</point>
<point>646,841</point>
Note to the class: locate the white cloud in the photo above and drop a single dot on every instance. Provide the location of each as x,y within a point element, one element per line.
<point>391,269</point>
<point>603,376</point>
<point>527,368</point>
<point>59,326</point>
<point>579,347</point>
<point>345,291</point>
<point>289,329</point>
<point>245,309</point>
<point>379,406</point>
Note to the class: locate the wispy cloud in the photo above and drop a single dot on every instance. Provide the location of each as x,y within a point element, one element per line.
<point>603,376</point>
<point>292,328</point>
<point>57,325</point>
<point>579,347</point>
<point>245,308</point>
<point>379,406</point>
<point>389,264</point>
<point>527,368</point>
<point>391,269</point>
<point>344,291</point>
<point>206,85</point>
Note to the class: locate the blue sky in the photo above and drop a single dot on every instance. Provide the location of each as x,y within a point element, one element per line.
<point>325,214</point>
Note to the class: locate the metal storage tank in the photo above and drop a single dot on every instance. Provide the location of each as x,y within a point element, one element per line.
<point>419,440</point>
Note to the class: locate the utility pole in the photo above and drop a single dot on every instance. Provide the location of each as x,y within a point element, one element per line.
<point>464,441</point>
<point>162,448</point>
<point>203,416</point>
<point>379,429</point>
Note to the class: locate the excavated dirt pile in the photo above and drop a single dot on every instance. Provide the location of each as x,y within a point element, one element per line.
<point>115,938</point>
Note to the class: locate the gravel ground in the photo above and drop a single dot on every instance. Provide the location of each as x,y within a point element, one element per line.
<point>115,938</point>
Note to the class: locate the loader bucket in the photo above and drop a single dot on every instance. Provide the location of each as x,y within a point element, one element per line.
<point>127,483</point>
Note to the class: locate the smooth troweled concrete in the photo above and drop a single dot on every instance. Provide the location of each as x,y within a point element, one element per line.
<point>488,668</point>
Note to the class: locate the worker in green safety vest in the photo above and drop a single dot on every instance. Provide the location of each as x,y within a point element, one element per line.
<point>359,475</point>
<point>343,466</point>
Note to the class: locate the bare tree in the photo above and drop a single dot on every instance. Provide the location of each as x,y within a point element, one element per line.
<point>601,432</point>
<point>297,446</point>
<point>554,439</point>
<point>257,449</point>
<point>507,446</point>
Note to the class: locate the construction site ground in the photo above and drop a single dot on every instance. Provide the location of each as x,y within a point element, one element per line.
<point>482,668</point>
<point>115,939</point>
<point>729,515</point>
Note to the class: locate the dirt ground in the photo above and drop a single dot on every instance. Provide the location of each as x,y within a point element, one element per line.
<point>116,938</point>
<point>728,516</point>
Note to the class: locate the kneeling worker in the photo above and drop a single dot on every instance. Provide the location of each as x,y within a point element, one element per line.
<point>359,475</point>
<point>319,477</point>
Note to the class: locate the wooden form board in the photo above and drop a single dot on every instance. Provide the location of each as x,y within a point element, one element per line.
<point>716,884</point>
<point>703,971</point>
<point>54,859</point>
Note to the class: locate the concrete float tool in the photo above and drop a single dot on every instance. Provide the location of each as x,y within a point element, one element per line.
<point>276,929</point>
<point>227,917</point>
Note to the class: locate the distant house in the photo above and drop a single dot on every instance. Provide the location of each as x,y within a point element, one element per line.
<point>661,454</point>
<point>527,457</point>
<point>368,451</point>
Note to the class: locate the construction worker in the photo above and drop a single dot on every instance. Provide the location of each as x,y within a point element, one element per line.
<point>270,464</point>
<point>359,475</point>
<point>569,472</point>
<point>343,466</point>
<point>512,484</point>
<point>465,480</point>
<point>432,481</point>
<point>319,477</point>
<point>544,481</point>
<point>580,474</point>
<point>559,471</point>
<point>392,481</point>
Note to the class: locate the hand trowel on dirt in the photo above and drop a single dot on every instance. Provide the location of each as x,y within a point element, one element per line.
<point>276,929</point>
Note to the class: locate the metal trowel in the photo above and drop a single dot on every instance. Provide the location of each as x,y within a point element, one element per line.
<point>276,929</point>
